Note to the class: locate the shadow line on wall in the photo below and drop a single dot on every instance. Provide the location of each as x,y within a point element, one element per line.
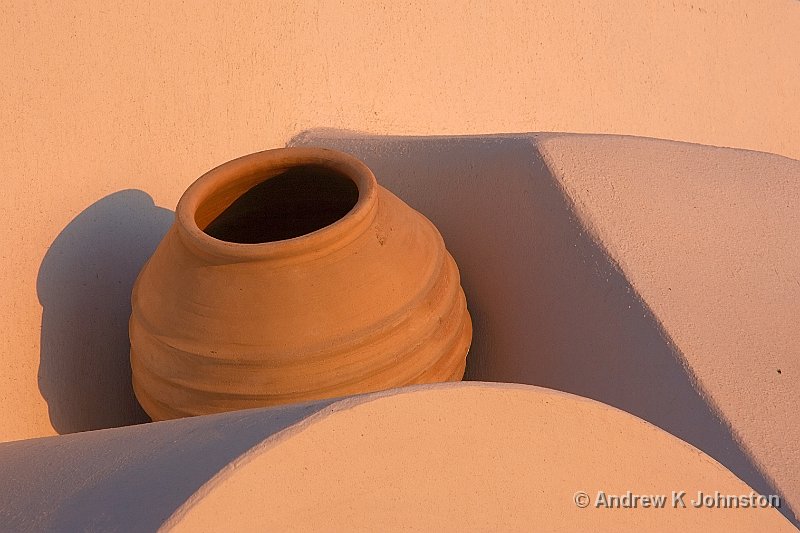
<point>549,306</point>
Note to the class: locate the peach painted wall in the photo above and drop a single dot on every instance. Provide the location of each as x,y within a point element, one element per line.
<point>107,113</point>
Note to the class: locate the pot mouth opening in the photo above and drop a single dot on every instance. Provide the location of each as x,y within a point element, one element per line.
<point>278,203</point>
<point>295,202</point>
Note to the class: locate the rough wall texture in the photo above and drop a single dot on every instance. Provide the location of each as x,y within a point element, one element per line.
<point>108,112</point>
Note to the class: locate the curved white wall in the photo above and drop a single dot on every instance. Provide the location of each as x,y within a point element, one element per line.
<point>455,456</point>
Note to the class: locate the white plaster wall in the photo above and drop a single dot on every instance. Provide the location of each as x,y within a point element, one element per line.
<point>655,276</point>
<point>515,462</point>
<point>108,112</point>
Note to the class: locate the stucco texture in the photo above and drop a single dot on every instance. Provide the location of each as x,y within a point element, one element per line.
<point>658,277</point>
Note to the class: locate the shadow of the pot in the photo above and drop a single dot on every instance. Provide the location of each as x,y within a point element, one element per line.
<point>84,287</point>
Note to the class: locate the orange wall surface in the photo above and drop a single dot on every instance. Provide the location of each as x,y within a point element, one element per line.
<point>107,114</point>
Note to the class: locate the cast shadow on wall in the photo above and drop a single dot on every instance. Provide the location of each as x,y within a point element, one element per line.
<point>84,286</point>
<point>549,306</point>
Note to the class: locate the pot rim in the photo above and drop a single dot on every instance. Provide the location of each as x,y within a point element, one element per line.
<point>270,163</point>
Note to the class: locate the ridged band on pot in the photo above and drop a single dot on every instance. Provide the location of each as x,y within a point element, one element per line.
<point>368,302</point>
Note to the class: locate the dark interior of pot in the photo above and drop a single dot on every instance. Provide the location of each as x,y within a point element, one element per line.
<point>293,203</point>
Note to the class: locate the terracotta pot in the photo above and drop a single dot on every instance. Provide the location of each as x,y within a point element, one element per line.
<point>291,275</point>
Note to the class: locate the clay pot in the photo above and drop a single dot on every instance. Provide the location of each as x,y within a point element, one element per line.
<point>291,275</point>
